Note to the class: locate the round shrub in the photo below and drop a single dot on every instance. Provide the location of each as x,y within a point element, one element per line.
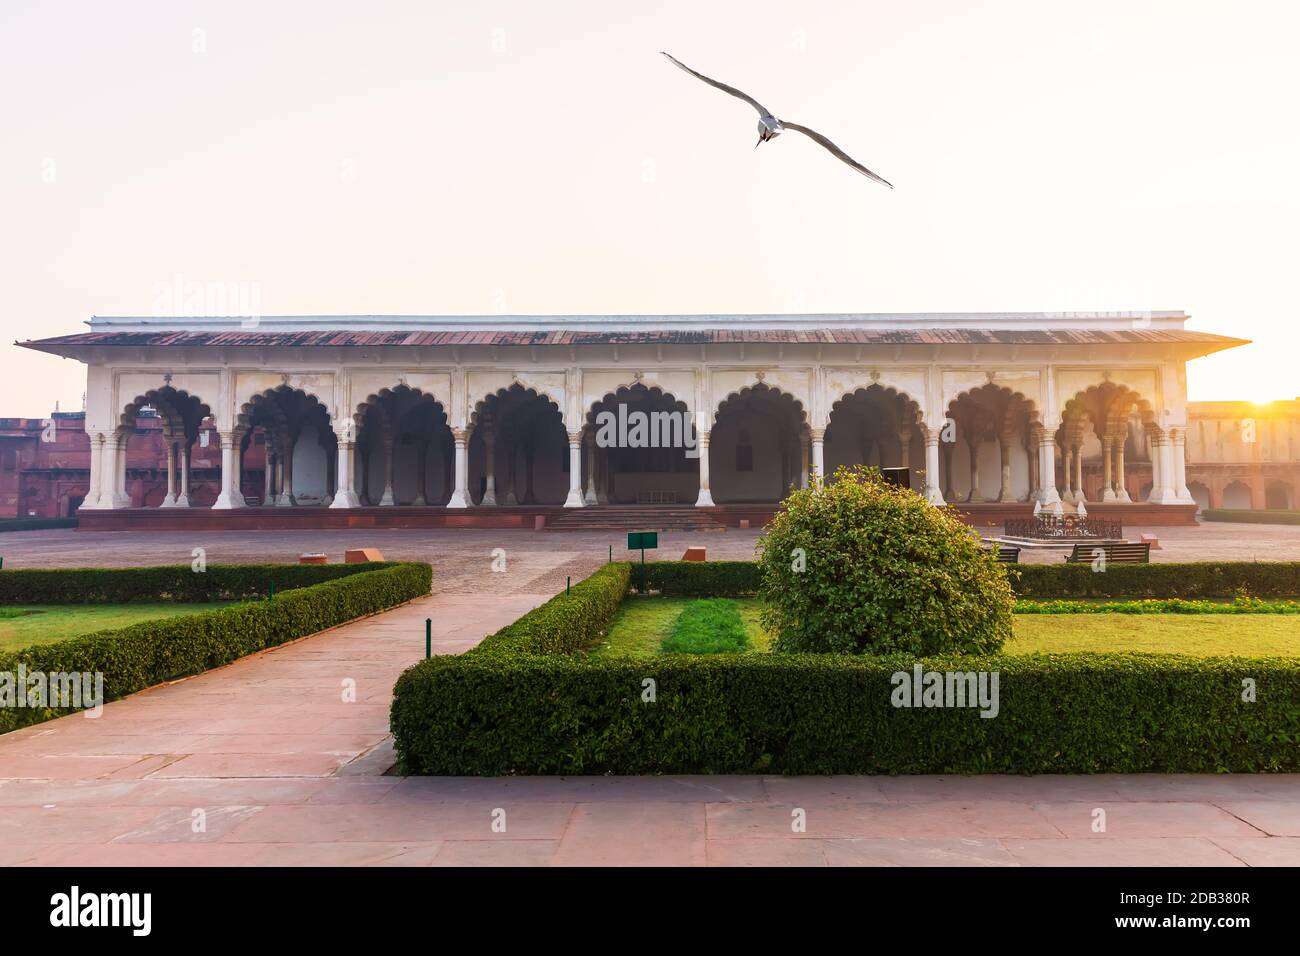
<point>861,566</point>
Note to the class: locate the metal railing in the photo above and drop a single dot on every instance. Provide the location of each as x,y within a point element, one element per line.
<point>1047,527</point>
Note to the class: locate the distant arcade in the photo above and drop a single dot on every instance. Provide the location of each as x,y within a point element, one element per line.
<point>494,421</point>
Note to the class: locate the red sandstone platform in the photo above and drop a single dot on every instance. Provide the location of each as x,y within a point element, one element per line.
<point>981,515</point>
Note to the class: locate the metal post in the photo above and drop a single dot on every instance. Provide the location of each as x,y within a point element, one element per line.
<point>428,638</point>
<point>567,580</point>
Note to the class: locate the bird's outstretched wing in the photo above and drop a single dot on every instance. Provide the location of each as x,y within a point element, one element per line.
<point>835,150</point>
<point>762,110</point>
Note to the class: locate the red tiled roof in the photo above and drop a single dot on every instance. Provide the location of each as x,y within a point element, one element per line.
<point>255,339</point>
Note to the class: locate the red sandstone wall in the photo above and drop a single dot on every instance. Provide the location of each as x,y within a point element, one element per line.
<point>48,478</point>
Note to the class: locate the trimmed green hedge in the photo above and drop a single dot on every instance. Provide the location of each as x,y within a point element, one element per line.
<point>526,701</point>
<point>701,578</point>
<point>35,524</point>
<point>770,713</point>
<point>1202,579</point>
<point>1159,606</point>
<point>173,582</point>
<point>567,622</point>
<point>1251,517</point>
<point>153,652</point>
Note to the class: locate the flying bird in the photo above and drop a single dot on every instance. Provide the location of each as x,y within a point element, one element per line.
<point>769,127</point>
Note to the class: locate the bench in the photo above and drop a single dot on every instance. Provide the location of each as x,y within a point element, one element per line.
<point>1122,553</point>
<point>1006,554</point>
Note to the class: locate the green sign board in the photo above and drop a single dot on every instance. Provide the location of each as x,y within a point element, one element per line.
<point>642,539</point>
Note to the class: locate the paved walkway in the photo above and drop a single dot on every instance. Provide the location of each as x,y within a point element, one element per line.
<point>462,555</point>
<point>266,762</point>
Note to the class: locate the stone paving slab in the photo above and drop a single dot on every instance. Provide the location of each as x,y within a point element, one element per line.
<point>287,772</point>
<point>537,561</point>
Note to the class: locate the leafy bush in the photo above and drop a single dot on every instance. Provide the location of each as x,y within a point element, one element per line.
<point>153,652</point>
<point>708,626</point>
<point>884,571</point>
<point>567,622</point>
<point>173,582</point>
<point>823,713</point>
<point>1243,516</point>
<point>1201,579</point>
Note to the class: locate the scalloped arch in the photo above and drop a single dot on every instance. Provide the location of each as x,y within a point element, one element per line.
<point>1029,403</point>
<point>762,387</point>
<point>163,396</point>
<point>910,404</point>
<point>631,391</point>
<point>516,387</point>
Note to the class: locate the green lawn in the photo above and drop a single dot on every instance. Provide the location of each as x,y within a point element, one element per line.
<point>642,623</point>
<point>46,623</point>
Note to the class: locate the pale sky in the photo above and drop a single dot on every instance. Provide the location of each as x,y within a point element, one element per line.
<point>416,157</point>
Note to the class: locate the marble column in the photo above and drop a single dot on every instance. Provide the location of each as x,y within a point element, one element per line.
<point>345,495</point>
<point>818,442</point>
<point>1004,453</point>
<point>96,472</point>
<point>268,476</point>
<point>933,493</point>
<point>286,471</point>
<point>490,470</point>
<point>387,501</point>
<point>1031,458</point>
<point>574,500</point>
<point>230,496</point>
<point>183,452</point>
<point>1162,486</point>
<point>120,497</point>
<point>1079,495</point>
<point>460,494</point>
<point>592,452</point>
<point>169,501</point>
<point>1107,468</point>
<point>945,453</point>
<point>705,499</point>
<point>973,453</point>
<point>1051,498</point>
<point>1181,493</point>
<point>1121,485</point>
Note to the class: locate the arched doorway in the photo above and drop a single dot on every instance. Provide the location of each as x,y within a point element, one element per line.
<point>758,446</point>
<point>993,451</point>
<point>1278,497</point>
<point>287,450</point>
<point>1236,496</point>
<point>405,452</point>
<point>641,443</point>
<point>1105,430</point>
<point>518,450</point>
<point>146,462</point>
<point>875,426</point>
